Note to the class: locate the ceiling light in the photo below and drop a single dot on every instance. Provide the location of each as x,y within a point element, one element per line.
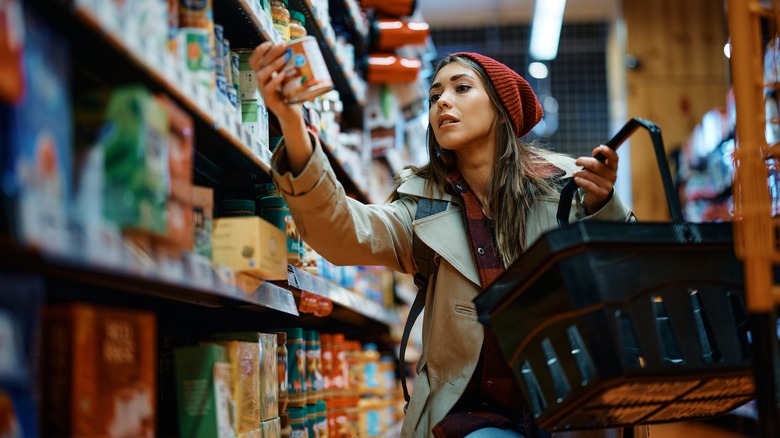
<point>538,70</point>
<point>546,29</point>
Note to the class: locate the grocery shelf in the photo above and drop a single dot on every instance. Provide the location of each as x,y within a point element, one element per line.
<point>302,280</point>
<point>199,284</point>
<point>245,25</point>
<point>111,57</point>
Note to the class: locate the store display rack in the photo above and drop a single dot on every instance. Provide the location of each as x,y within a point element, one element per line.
<point>303,280</point>
<point>224,150</point>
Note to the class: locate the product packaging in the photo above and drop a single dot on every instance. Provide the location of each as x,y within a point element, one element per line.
<point>99,371</point>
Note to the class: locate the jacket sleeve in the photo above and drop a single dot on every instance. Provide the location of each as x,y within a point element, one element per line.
<point>341,229</point>
<point>613,210</point>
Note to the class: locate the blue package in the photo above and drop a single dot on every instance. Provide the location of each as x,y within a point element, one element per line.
<point>38,161</point>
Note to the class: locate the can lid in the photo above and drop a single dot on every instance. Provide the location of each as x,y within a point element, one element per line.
<point>228,205</point>
<point>272,202</point>
<point>294,333</point>
<point>296,15</point>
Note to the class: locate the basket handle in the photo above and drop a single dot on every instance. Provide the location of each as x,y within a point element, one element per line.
<point>567,194</point>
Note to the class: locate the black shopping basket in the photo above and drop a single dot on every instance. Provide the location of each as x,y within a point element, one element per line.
<point>609,324</point>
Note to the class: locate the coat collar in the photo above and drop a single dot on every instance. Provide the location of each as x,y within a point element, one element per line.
<point>445,232</point>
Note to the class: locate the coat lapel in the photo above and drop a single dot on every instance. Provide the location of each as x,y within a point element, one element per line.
<point>446,234</point>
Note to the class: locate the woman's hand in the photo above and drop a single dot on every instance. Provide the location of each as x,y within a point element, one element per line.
<point>266,61</point>
<point>597,179</point>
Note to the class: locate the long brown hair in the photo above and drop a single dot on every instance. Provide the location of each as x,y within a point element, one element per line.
<point>520,175</point>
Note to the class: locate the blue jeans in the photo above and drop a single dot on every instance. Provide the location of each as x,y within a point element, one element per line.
<point>492,432</point>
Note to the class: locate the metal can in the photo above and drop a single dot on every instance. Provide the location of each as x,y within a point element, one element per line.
<point>307,74</point>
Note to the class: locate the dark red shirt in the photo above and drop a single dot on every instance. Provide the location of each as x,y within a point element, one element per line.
<point>492,397</point>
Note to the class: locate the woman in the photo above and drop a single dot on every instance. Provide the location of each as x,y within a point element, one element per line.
<point>502,194</point>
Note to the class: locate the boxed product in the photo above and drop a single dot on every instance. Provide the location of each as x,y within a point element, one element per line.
<point>244,383</point>
<point>20,307</point>
<point>99,371</point>
<point>267,370</point>
<point>181,148</point>
<point>203,391</point>
<point>36,136</point>
<point>252,245</point>
<point>135,147</point>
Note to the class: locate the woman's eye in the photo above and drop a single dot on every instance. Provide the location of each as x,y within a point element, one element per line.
<point>462,87</point>
<point>434,98</point>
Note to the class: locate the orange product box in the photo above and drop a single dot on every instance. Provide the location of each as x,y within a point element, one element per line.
<point>181,148</point>
<point>99,371</point>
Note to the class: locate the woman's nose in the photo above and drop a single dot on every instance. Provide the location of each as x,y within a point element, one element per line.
<point>444,101</point>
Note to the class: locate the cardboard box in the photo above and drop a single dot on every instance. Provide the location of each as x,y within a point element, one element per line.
<point>99,371</point>
<point>203,392</point>
<point>252,245</point>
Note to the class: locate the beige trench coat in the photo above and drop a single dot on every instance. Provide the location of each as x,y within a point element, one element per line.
<point>347,232</point>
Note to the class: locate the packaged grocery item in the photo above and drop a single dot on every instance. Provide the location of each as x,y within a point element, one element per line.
<point>203,392</point>
<point>251,245</point>
<point>313,366</point>
<point>281,18</point>
<point>99,371</point>
<point>244,359</point>
<point>36,134</point>
<point>306,74</point>
<point>181,152</point>
<point>135,150</point>
<point>274,209</point>
<point>297,25</point>
<point>296,363</point>
<point>268,394</point>
<point>281,370</point>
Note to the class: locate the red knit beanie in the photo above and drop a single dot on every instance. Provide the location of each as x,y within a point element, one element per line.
<point>515,93</point>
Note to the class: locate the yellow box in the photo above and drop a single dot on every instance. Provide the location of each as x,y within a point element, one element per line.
<point>250,245</point>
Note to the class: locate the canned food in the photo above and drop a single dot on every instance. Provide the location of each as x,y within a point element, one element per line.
<point>307,75</point>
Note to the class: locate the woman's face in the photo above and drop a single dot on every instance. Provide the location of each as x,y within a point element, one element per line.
<point>461,114</point>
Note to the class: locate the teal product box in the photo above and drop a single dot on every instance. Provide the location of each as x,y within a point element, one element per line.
<point>203,393</point>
